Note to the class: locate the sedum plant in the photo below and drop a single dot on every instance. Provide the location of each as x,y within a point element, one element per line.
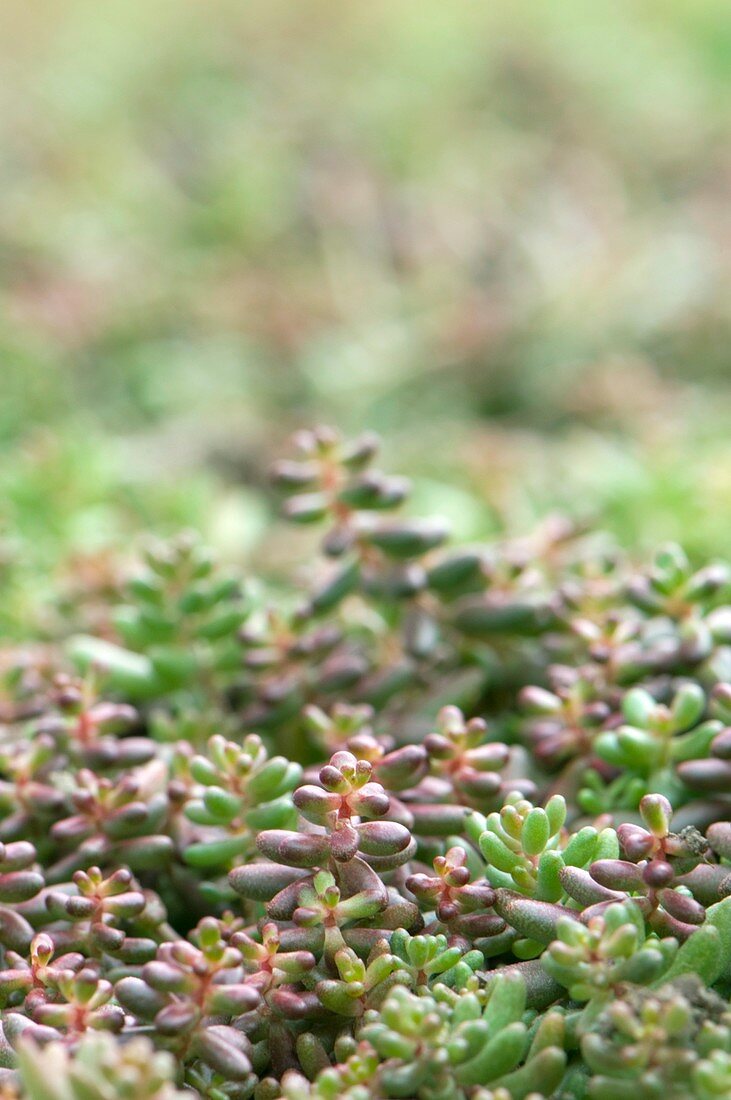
<point>99,1069</point>
<point>443,823</point>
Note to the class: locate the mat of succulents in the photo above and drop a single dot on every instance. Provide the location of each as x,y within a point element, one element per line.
<point>422,821</point>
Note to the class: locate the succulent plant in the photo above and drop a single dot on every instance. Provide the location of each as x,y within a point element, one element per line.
<point>438,823</point>
<point>99,1069</point>
<point>673,1042</point>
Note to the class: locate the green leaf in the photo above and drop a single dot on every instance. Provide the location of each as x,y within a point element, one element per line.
<point>501,1054</point>
<point>536,832</point>
<point>131,674</point>
<point>216,853</point>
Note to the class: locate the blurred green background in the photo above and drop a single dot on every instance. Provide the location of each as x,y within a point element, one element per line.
<point>497,232</point>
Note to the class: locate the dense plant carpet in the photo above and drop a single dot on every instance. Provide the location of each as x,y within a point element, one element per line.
<point>423,822</point>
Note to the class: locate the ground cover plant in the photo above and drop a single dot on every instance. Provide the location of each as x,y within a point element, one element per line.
<point>421,820</point>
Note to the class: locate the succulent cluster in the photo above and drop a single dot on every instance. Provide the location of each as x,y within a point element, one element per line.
<point>447,825</point>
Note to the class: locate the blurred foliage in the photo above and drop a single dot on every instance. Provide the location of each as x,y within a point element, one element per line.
<point>498,233</point>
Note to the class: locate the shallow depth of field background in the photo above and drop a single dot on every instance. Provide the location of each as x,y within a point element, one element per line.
<point>499,233</point>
